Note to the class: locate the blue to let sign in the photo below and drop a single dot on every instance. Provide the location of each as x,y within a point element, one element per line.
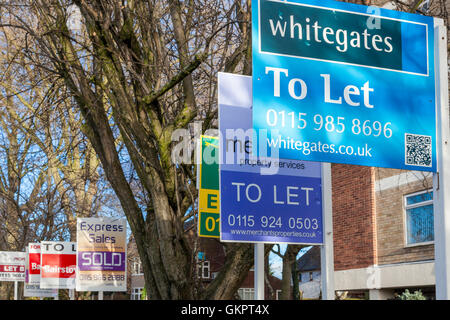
<point>262,199</point>
<point>270,208</point>
<point>344,83</point>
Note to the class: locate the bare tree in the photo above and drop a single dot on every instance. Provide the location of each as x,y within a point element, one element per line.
<point>50,173</point>
<point>137,71</point>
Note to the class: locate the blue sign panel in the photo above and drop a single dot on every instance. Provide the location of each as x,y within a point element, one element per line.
<point>270,208</point>
<point>262,199</point>
<point>344,83</point>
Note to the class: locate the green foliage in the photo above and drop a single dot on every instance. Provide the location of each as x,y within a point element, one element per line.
<point>144,294</point>
<point>417,295</point>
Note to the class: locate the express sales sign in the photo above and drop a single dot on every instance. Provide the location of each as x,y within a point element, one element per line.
<point>345,83</point>
<point>101,254</point>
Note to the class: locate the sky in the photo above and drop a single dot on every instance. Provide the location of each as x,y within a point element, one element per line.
<point>276,264</point>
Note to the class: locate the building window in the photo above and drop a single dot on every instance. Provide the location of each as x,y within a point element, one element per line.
<point>304,277</point>
<point>419,218</point>
<point>136,293</point>
<point>424,6</point>
<point>137,267</point>
<point>246,293</point>
<point>278,294</point>
<point>204,270</point>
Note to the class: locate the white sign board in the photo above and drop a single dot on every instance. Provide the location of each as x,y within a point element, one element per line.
<point>101,254</point>
<point>12,266</point>
<point>33,290</point>
<point>58,265</point>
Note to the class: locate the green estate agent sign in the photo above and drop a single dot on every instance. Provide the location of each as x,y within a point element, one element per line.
<point>209,202</point>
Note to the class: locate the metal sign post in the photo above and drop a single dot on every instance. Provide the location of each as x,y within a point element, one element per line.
<point>259,271</point>
<point>16,290</point>
<point>326,250</point>
<point>442,177</point>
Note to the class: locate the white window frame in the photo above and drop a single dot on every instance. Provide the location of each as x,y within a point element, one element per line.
<point>204,269</point>
<point>136,292</point>
<point>206,266</point>
<point>304,276</point>
<point>405,216</point>
<point>246,293</point>
<point>424,6</point>
<point>277,294</point>
<point>137,269</point>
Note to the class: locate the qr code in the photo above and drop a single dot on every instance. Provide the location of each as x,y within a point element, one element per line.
<point>418,151</point>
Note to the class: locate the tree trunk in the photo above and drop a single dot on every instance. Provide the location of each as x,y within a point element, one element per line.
<point>289,259</point>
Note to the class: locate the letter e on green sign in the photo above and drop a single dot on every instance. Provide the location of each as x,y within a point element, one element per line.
<point>208,214</point>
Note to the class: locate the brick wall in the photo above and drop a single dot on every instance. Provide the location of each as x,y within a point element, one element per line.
<point>354,220</point>
<point>392,247</point>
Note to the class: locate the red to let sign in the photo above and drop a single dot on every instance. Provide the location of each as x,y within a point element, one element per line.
<point>34,263</point>
<point>12,266</point>
<point>58,265</point>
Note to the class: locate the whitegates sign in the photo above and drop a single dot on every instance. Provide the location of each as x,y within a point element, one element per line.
<point>333,82</point>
